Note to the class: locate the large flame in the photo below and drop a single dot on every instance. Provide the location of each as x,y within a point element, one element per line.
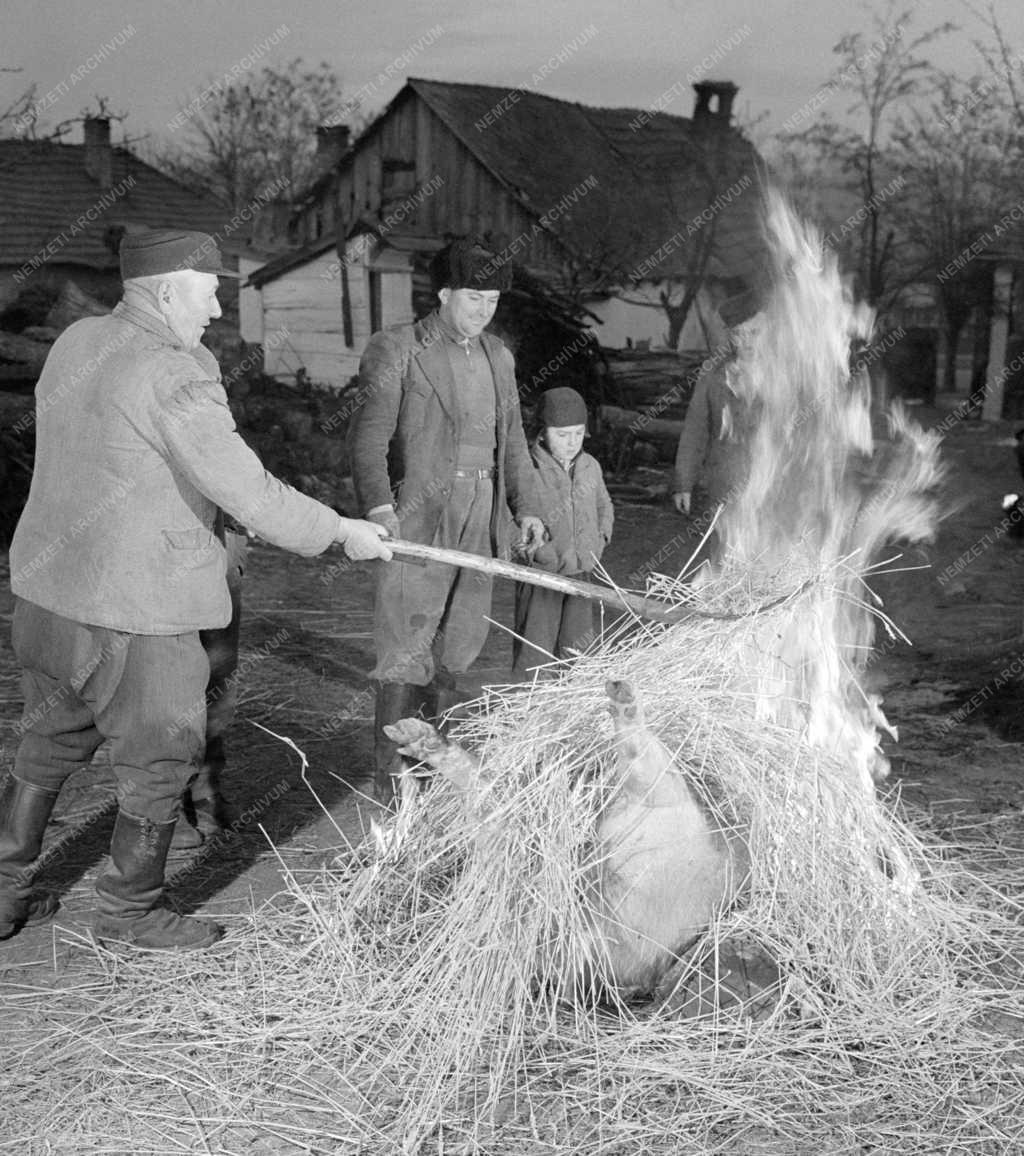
<point>821,498</point>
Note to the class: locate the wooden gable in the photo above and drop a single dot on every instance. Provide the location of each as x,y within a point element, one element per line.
<point>410,171</point>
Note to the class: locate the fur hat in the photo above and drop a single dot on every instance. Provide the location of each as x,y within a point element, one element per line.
<point>739,308</point>
<point>747,296</point>
<point>561,407</point>
<point>466,265</point>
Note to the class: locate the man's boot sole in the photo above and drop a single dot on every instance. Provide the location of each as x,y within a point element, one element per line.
<point>124,938</point>
<point>43,909</point>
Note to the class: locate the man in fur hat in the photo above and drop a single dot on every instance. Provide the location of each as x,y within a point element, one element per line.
<point>439,457</point>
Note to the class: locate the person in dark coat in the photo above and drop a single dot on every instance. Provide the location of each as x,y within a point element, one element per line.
<point>203,813</point>
<point>439,457</point>
<point>711,449</point>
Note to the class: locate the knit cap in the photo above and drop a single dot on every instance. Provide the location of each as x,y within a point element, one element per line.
<point>561,407</point>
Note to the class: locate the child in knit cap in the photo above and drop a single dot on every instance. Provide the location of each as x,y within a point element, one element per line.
<point>578,514</point>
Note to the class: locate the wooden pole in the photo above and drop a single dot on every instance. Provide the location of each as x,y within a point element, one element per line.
<point>652,608</point>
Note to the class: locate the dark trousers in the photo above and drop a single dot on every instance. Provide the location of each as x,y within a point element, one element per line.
<point>221,648</point>
<point>435,613</point>
<point>548,624</point>
<point>84,684</point>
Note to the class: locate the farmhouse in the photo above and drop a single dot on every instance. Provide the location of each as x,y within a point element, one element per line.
<point>634,215</point>
<point>64,208</point>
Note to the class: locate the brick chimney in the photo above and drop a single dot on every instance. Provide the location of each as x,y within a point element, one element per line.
<point>99,157</point>
<point>331,145</point>
<point>723,93</point>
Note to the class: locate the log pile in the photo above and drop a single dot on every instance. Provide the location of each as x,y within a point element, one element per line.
<point>21,357</point>
<point>651,392</point>
<point>661,382</point>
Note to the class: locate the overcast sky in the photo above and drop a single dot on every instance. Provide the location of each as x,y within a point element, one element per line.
<point>149,59</point>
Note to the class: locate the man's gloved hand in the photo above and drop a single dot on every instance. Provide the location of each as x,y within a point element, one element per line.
<point>387,518</point>
<point>681,501</point>
<point>362,540</point>
<point>533,531</point>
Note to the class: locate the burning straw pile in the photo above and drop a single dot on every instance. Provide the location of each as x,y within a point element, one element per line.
<point>439,989</point>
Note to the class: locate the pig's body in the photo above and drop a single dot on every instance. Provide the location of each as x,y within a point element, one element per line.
<point>661,867</point>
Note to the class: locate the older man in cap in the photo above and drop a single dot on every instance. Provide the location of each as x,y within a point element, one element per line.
<point>117,567</point>
<point>439,457</point>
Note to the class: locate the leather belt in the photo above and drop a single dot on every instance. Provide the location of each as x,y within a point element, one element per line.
<point>482,473</point>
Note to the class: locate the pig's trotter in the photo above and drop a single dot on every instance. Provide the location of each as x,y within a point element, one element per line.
<point>622,703</point>
<point>416,739</point>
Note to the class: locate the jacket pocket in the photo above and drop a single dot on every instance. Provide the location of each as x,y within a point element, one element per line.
<point>198,538</point>
<point>412,411</point>
<point>191,553</point>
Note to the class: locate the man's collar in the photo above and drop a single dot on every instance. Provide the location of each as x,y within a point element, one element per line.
<point>451,333</point>
<point>148,321</point>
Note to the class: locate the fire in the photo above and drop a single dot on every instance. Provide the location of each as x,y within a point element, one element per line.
<point>821,499</point>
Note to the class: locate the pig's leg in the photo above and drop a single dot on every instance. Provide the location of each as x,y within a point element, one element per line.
<point>626,716</point>
<point>423,742</point>
<point>644,759</point>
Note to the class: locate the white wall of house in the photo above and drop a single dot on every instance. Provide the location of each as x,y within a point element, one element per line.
<point>301,311</point>
<point>636,314</point>
<point>379,286</point>
<point>302,323</point>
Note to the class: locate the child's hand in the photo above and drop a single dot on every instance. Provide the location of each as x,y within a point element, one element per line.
<point>545,557</point>
<point>522,553</point>
<point>533,530</point>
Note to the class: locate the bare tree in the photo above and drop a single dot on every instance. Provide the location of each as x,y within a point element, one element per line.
<point>1000,60</point>
<point>17,118</point>
<point>254,137</point>
<point>962,152</point>
<point>882,72</point>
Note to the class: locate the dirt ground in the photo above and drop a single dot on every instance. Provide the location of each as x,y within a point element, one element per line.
<point>956,696</point>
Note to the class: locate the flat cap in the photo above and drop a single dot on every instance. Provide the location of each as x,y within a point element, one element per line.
<point>153,251</point>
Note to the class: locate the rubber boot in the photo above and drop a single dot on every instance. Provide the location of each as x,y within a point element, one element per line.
<point>202,807</point>
<point>207,803</point>
<point>24,812</point>
<point>445,696</point>
<point>185,836</point>
<point>437,695</point>
<point>395,700</point>
<point>130,890</point>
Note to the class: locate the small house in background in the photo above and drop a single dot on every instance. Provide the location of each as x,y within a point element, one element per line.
<point>65,207</point>
<point>627,215</point>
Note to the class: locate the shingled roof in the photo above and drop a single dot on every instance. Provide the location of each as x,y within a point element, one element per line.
<point>51,205</point>
<point>655,172</point>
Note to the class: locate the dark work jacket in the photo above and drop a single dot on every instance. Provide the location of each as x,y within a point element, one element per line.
<point>404,437</point>
<point>714,441</point>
